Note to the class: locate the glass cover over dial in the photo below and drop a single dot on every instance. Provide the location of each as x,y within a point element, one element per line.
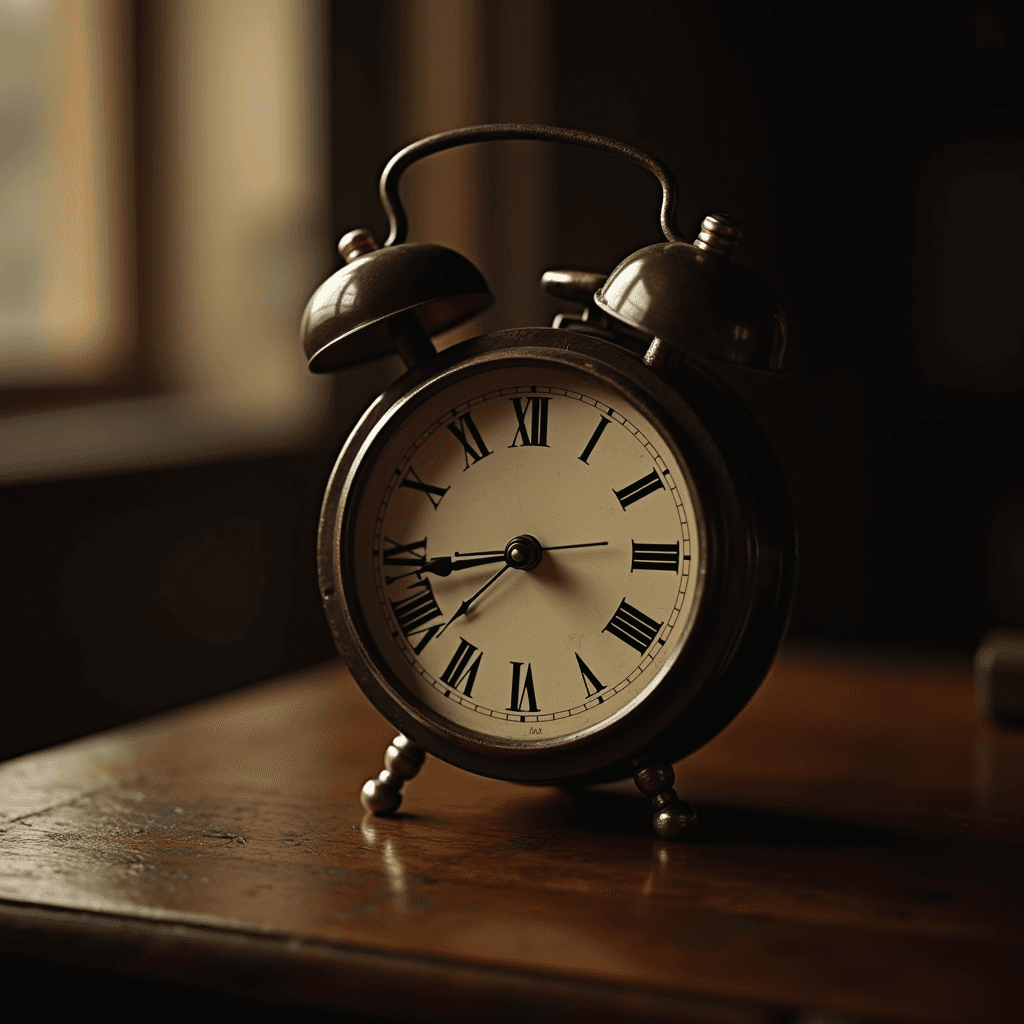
<point>525,553</point>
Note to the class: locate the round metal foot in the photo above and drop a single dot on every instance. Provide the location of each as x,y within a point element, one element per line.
<point>379,798</point>
<point>673,818</point>
<point>402,760</point>
<point>675,821</point>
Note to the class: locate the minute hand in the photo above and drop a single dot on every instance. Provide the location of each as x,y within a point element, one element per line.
<point>464,607</point>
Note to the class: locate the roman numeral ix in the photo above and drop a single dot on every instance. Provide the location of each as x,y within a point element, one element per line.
<point>459,670</point>
<point>655,556</point>
<point>435,494</point>
<point>415,611</point>
<point>524,692</point>
<point>639,489</point>
<point>632,627</point>
<point>474,448</point>
<point>412,555</point>
<point>537,431</point>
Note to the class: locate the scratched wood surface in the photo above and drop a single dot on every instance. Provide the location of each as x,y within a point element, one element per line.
<point>861,853</point>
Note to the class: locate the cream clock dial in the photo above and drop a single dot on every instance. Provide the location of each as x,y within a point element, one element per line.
<point>526,554</point>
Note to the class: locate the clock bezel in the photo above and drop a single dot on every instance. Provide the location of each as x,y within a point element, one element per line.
<point>715,660</point>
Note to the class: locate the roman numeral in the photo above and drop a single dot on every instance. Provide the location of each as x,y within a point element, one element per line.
<point>656,556</point>
<point>589,679</point>
<point>415,611</point>
<point>414,555</point>
<point>524,692</point>
<point>594,438</point>
<point>537,432</point>
<point>459,669</point>
<point>639,489</point>
<point>435,494</point>
<point>632,627</point>
<point>465,426</point>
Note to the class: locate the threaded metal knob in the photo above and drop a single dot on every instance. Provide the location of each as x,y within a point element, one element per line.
<point>357,243</point>
<point>718,234</point>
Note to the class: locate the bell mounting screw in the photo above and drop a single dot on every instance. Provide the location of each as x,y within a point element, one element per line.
<point>718,234</point>
<point>673,818</point>
<point>357,243</point>
<point>402,760</point>
<point>407,334</point>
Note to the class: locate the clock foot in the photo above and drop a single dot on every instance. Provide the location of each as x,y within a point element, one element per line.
<point>673,818</point>
<point>402,760</point>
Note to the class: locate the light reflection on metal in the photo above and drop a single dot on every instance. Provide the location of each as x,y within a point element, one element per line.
<point>663,856</point>
<point>394,869</point>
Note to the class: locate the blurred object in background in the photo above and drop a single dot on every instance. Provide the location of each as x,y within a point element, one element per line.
<point>999,676</point>
<point>462,62</point>
<point>165,193</point>
<point>206,123</point>
<point>66,284</point>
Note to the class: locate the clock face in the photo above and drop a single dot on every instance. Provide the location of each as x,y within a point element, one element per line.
<point>525,554</point>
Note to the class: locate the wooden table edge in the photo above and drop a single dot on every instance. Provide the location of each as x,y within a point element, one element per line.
<point>280,969</point>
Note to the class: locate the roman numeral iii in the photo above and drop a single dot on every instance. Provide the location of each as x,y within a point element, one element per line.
<point>459,671</point>
<point>536,433</point>
<point>632,627</point>
<point>522,688</point>
<point>639,489</point>
<point>655,556</point>
<point>473,448</point>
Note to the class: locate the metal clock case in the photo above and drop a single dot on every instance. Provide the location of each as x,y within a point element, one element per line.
<point>544,558</point>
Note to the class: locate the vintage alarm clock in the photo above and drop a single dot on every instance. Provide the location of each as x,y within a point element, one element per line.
<point>553,555</point>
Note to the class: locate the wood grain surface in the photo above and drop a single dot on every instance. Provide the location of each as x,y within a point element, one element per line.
<point>861,853</point>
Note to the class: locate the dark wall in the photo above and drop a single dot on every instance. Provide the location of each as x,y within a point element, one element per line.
<point>855,144</point>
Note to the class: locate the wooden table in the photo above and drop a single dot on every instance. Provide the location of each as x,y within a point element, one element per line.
<point>862,854</point>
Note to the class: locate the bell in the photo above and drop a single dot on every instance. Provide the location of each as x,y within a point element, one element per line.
<point>388,299</point>
<point>692,298</point>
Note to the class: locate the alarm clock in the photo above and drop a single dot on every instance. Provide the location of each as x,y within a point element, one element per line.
<point>553,555</point>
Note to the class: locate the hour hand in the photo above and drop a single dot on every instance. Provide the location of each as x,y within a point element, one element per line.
<point>445,565</point>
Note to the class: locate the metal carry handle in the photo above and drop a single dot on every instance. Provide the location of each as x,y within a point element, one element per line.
<point>539,132</point>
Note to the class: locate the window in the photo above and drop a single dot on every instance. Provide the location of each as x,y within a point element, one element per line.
<point>164,195</point>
